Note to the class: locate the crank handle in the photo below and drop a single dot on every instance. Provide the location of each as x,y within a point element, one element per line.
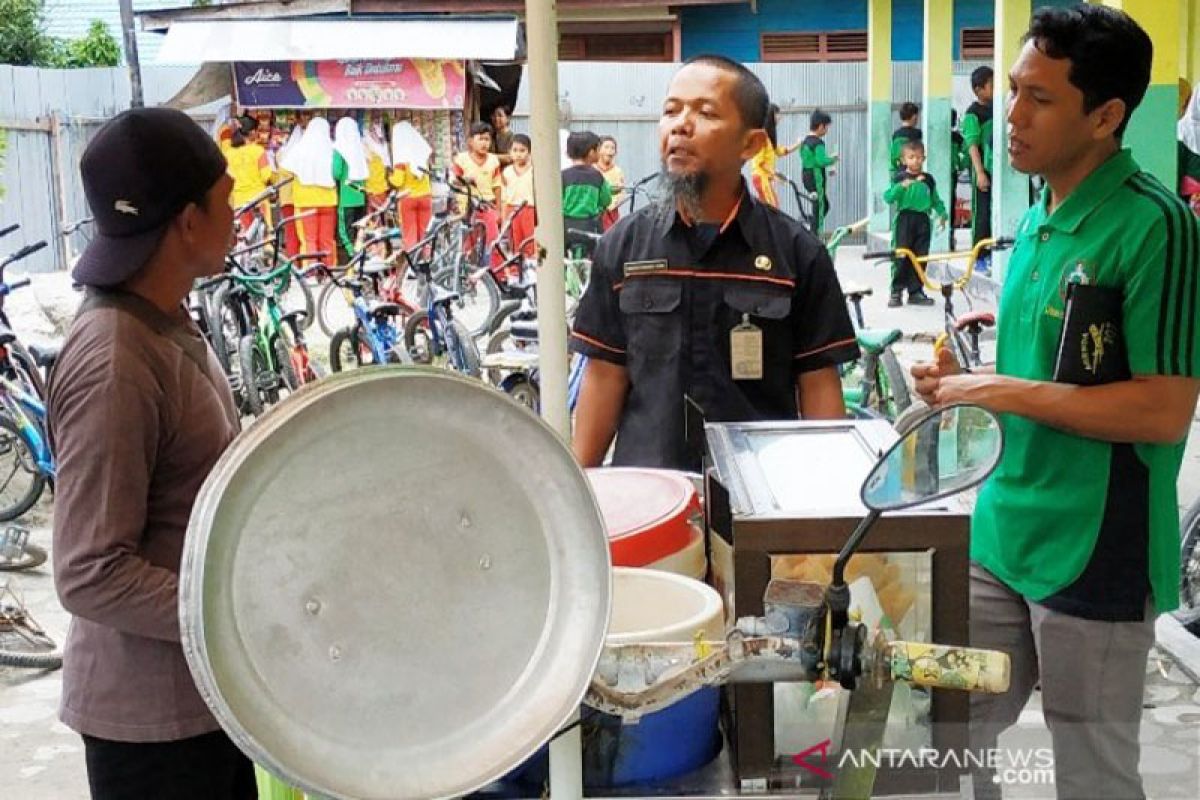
<point>947,667</point>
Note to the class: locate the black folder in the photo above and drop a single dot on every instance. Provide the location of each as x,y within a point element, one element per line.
<point>1092,350</point>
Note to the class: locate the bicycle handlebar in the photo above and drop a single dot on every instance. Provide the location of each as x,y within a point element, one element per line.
<point>581,236</point>
<point>920,262</point>
<point>295,217</point>
<point>8,288</point>
<point>74,226</point>
<point>27,250</point>
<point>9,229</point>
<point>270,192</point>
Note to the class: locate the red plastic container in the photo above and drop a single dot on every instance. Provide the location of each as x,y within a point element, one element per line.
<point>648,512</point>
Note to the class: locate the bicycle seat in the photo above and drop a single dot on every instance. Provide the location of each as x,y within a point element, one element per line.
<point>985,319</point>
<point>44,357</point>
<point>386,310</point>
<point>876,340</point>
<point>854,292</point>
<point>443,295</point>
<point>6,336</point>
<point>375,266</point>
<point>296,317</point>
<point>524,330</point>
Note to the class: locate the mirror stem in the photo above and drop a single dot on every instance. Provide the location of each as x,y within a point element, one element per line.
<point>839,566</point>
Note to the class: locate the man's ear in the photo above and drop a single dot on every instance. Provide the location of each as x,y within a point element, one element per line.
<point>754,140</point>
<point>1108,118</point>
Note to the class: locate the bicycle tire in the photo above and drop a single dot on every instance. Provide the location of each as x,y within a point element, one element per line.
<point>298,285</point>
<point>495,344</point>
<point>283,360</point>
<point>478,302</point>
<point>250,360</point>
<point>467,358</point>
<point>31,556</point>
<point>524,392</point>
<point>893,393</point>
<point>214,322</point>
<point>28,368</point>
<point>1189,561</point>
<point>330,297</point>
<point>347,335</point>
<point>12,433</point>
<point>25,660</point>
<point>418,325</point>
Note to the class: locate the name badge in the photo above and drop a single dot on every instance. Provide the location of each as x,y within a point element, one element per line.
<point>642,267</point>
<point>746,351</point>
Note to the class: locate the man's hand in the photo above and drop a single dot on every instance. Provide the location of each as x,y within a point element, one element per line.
<point>907,182</point>
<point>983,181</point>
<point>928,377</point>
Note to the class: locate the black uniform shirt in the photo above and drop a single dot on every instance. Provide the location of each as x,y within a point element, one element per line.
<point>664,297</point>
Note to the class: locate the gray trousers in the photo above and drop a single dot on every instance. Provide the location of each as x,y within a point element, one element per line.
<point>1093,678</point>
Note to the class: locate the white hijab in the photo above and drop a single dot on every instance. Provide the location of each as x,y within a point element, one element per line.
<point>376,141</point>
<point>348,142</point>
<point>409,147</point>
<point>311,158</point>
<point>289,144</point>
<point>1189,123</point>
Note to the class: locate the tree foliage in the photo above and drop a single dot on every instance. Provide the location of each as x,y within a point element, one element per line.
<point>24,41</point>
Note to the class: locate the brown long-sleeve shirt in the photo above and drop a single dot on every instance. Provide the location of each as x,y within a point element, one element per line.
<point>136,425</point>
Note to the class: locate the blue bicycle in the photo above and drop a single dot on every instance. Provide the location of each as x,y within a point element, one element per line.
<point>26,463</point>
<point>432,335</point>
<point>376,336</point>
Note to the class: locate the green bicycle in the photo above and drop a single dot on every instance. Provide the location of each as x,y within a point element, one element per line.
<point>261,344</point>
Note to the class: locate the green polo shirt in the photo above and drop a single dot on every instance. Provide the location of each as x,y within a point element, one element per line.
<point>977,130</point>
<point>1039,518</point>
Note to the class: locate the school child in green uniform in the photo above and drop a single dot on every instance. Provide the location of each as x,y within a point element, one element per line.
<point>815,163</point>
<point>910,119</point>
<point>914,194</point>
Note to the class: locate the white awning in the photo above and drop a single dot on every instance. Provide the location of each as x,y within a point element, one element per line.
<point>331,40</point>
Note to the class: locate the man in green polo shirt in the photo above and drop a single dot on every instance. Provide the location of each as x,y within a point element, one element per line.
<point>1075,538</point>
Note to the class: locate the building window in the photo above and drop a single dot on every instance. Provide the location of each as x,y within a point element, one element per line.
<point>615,47</point>
<point>975,43</point>
<point>815,46</point>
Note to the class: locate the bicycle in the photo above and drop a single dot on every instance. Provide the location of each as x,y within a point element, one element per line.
<point>32,647</point>
<point>1190,559</point>
<point>19,357</point>
<point>17,552</point>
<point>955,326</point>
<point>366,252</point>
<point>272,354</point>
<point>805,202</point>
<point>433,335</point>
<point>374,337</point>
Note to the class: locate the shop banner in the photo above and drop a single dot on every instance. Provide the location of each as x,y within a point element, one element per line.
<point>385,83</point>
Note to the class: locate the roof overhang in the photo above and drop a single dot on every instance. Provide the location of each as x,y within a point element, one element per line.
<point>480,39</point>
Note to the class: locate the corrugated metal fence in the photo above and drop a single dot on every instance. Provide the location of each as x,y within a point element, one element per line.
<point>624,100</point>
<point>48,116</point>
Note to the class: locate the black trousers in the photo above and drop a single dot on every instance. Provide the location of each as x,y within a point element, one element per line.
<point>912,231</point>
<point>207,767</point>
<point>981,215</point>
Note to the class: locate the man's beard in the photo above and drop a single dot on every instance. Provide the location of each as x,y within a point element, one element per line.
<point>686,190</point>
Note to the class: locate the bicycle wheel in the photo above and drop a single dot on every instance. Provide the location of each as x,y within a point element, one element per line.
<point>891,395</point>
<point>334,309</point>
<point>21,482</point>
<point>347,350</point>
<point>1190,557</point>
<point>478,302</point>
<point>31,556</point>
<point>523,390</point>
<point>282,346</point>
<point>253,367</point>
<point>31,659</point>
<point>465,353</point>
<point>498,342</point>
<point>299,296</point>
<point>418,339</point>
<point>27,369</point>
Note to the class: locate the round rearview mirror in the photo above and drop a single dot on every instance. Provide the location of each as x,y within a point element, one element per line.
<point>945,452</point>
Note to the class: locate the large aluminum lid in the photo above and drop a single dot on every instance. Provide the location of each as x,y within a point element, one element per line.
<point>396,584</point>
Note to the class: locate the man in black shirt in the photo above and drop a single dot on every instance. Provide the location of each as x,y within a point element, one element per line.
<point>711,295</point>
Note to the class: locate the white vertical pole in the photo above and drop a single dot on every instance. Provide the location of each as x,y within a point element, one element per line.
<point>541,30</point>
